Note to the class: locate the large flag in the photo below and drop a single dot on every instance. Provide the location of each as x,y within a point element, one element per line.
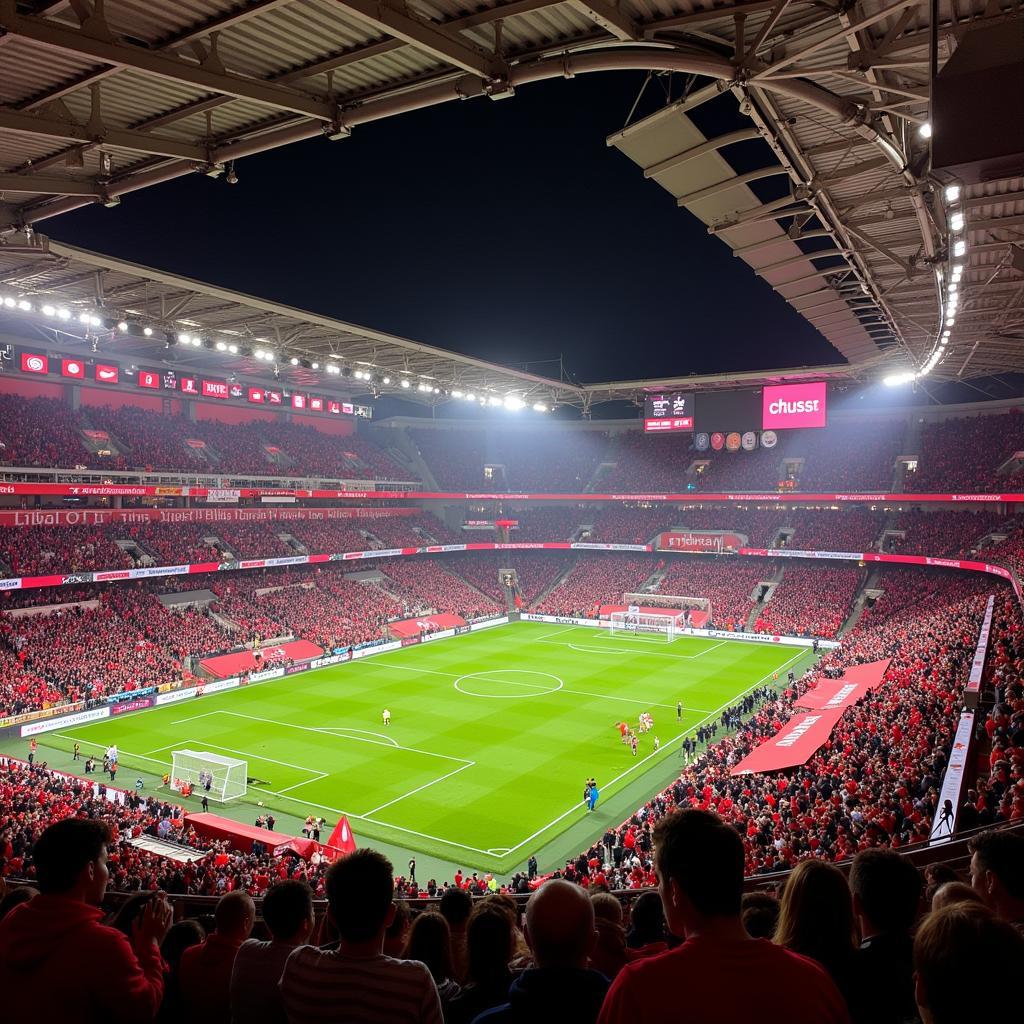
<point>341,840</point>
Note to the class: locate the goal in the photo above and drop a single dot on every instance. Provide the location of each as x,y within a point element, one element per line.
<point>632,623</point>
<point>211,775</point>
<point>695,611</point>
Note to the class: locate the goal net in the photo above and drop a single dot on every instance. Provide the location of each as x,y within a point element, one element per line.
<point>693,611</point>
<point>211,775</point>
<point>665,626</point>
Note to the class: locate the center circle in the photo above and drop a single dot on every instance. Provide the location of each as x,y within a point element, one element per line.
<point>490,683</point>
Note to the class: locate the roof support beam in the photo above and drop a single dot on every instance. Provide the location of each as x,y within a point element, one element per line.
<point>713,145</point>
<point>426,37</point>
<point>124,55</point>
<point>609,17</point>
<point>37,184</point>
<point>724,186</point>
<point>139,142</point>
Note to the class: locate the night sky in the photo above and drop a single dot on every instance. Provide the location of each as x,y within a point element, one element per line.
<point>506,230</point>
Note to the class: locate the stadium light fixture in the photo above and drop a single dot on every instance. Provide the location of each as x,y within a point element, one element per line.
<point>952,193</point>
<point>184,339</point>
<point>958,269</point>
<point>950,321</point>
<point>456,393</point>
<point>925,131</point>
<point>956,222</point>
<point>294,360</point>
<point>122,326</point>
<point>495,401</point>
<point>9,301</point>
<point>513,403</point>
<point>960,248</point>
<point>539,407</point>
<point>405,383</point>
<point>25,306</point>
<point>221,346</point>
<point>896,379</point>
<point>316,366</point>
<point>63,314</point>
<point>147,331</point>
<point>470,397</point>
<point>48,310</point>
<point>233,349</point>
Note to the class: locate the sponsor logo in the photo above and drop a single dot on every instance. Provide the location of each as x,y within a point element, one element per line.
<point>34,728</point>
<point>316,404</point>
<point>122,574</point>
<point>13,583</point>
<point>33,363</point>
<point>749,441</point>
<point>72,368</point>
<point>348,408</point>
<point>717,441</point>
<point>189,385</point>
<point>732,442</point>
<point>975,497</point>
<point>106,374</point>
<point>149,379</point>
<point>132,705</point>
<point>170,380</point>
<point>235,390</point>
<point>80,577</point>
<point>334,408</point>
<point>769,439</point>
<point>298,401</point>
<point>256,395</point>
<point>786,406</point>
<point>701,442</point>
<point>275,397</point>
<point>215,389</point>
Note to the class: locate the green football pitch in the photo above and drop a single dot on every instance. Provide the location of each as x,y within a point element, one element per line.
<point>492,733</point>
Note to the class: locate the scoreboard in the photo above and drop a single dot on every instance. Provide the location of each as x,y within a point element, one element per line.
<point>667,413</point>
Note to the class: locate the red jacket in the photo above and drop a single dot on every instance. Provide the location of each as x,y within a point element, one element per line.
<point>55,954</point>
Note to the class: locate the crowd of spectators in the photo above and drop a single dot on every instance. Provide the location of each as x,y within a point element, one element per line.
<point>942,533</point>
<point>535,572</point>
<point>810,601</point>
<point>825,950</point>
<point>596,580</point>
<point>728,584</point>
<point>964,454</point>
<point>426,582</point>
<point>557,523</point>
<point>42,550</point>
<point>46,432</point>
<point>855,530</point>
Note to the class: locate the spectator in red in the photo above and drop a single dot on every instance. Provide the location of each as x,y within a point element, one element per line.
<point>997,874</point>
<point>886,889</point>
<point>205,973</point>
<point>56,956</point>
<point>719,975</point>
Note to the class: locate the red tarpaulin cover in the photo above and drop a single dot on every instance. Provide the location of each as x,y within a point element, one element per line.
<point>793,744</point>
<point>413,627</point>
<point>839,694</point>
<point>242,836</point>
<point>235,664</point>
<point>340,841</point>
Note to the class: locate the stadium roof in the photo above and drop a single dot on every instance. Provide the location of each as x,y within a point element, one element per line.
<point>170,306</point>
<point>102,98</point>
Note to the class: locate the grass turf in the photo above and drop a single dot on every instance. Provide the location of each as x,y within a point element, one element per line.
<point>493,733</point>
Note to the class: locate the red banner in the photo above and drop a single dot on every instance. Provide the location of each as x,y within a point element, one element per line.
<point>839,694</point>
<point>701,541</point>
<point>226,665</point>
<point>793,744</point>
<point>99,516</point>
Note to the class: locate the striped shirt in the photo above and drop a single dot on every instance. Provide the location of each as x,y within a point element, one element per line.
<point>332,988</point>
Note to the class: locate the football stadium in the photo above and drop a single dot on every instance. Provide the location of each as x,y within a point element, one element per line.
<point>452,570</point>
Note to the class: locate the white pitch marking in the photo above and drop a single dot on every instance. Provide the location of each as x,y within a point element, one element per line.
<point>665,747</point>
<point>419,789</point>
<point>508,682</point>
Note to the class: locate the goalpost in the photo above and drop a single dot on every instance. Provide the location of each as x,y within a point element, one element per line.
<point>634,622</point>
<point>218,778</point>
<point>680,608</point>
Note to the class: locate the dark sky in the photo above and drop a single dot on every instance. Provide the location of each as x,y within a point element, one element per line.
<point>507,230</point>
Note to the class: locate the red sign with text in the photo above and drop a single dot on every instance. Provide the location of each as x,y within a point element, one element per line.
<point>149,379</point>
<point>298,401</point>
<point>215,389</point>
<point>106,374</point>
<point>190,385</point>
<point>256,395</point>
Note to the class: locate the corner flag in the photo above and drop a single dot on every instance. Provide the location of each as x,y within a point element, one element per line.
<point>341,841</point>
